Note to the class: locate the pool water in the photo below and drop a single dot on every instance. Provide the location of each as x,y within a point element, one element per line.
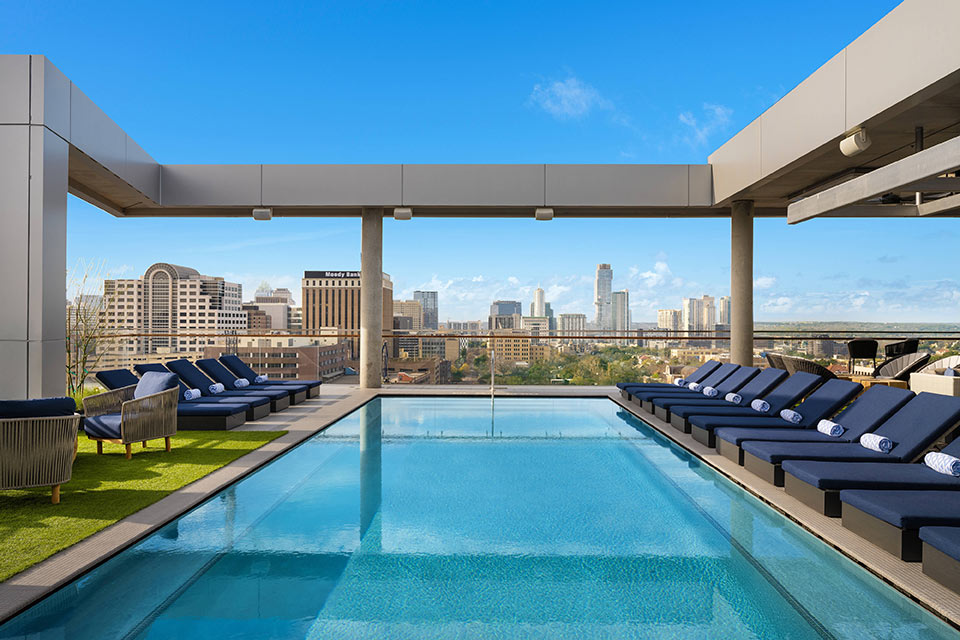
<point>459,518</point>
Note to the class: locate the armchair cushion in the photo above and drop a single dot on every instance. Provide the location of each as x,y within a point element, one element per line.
<point>105,426</point>
<point>154,382</point>
<point>41,408</point>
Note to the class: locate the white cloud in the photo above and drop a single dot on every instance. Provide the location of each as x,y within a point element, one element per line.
<point>777,305</point>
<point>764,282</point>
<point>568,99</point>
<point>713,119</point>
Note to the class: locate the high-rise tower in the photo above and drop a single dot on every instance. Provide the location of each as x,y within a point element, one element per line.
<point>602,296</point>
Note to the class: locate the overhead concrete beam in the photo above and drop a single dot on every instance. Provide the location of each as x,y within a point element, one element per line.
<point>929,163</point>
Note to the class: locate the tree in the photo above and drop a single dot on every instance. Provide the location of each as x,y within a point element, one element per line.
<point>88,335</point>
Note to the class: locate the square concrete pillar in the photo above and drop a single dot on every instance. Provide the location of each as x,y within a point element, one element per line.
<point>33,245</point>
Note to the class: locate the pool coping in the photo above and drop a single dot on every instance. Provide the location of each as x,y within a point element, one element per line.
<point>907,578</point>
<point>26,588</point>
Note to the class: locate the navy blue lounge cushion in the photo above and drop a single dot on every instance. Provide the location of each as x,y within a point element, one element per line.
<point>907,509</point>
<point>720,374</point>
<point>240,369</point>
<point>191,409</point>
<point>869,475</point>
<point>117,378</point>
<point>944,539</point>
<point>699,374</point>
<point>39,408</point>
<point>213,368</point>
<point>864,414</point>
<point>915,426</point>
<point>106,426</point>
<point>193,377</point>
<point>760,385</point>
<point>784,396</point>
<point>733,382</point>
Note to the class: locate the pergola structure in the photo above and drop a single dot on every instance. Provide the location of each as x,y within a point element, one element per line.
<point>897,85</point>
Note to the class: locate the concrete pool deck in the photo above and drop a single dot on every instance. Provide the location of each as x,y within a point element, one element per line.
<point>336,401</point>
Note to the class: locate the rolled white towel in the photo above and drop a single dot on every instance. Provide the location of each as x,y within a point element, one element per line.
<point>828,428</point>
<point>260,379</point>
<point>791,416</point>
<point>734,398</point>
<point>680,382</point>
<point>216,388</point>
<point>191,394</point>
<point>942,463</point>
<point>876,443</point>
<point>760,405</point>
<point>710,392</point>
<point>240,383</point>
<point>695,386</point>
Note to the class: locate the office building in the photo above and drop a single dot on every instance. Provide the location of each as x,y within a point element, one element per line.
<point>538,307</point>
<point>669,319</point>
<point>276,303</point>
<point>536,326</point>
<point>724,310</point>
<point>331,299</point>
<point>410,309</point>
<point>428,306</point>
<point>571,325</point>
<point>169,300</point>
<point>505,308</point>
<point>692,309</point>
<point>288,358</point>
<point>257,319</point>
<point>708,309</point>
<point>620,311</point>
<point>602,296</point>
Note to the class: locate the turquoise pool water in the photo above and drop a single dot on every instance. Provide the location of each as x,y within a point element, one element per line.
<point>442,518</point>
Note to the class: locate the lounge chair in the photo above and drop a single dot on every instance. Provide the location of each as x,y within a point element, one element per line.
<point>191,415</point>
<point>864,414</point>
<point>900,367</point>
<point>892,519</point>
<point>787,394</point>
<point>138,413</point>
<point>941,555</point>
<point>38,442</point>
<point>197,379</point>
<point>240,369</point>
<point>759,386</point>
<point>913,428</point>
<point>823,403</point>
<point>256,407</point>
<point>734,382</point>
<point>696,376</point>
<point>213,368</point>
<point>644,397</point>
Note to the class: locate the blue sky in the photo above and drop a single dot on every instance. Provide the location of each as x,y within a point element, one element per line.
<point>356,82</point>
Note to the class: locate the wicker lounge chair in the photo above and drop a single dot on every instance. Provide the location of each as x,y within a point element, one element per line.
<point>138,413</point>
<point>38,442</point>
<point>774,360</point>
<point>941,365</point>
<point>794,364</point>
<point>900,367</point>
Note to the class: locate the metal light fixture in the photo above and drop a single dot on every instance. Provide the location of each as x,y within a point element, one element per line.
<point>402,213</point>
<point>263,214</point>
<point>856,142</point>
<point>543,213</point>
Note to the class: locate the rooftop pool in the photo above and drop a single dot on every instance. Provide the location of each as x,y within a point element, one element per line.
<point>462,518</point>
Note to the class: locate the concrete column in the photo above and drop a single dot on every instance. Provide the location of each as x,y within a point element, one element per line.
<point>371,297</point>
<point>741,282</point>
<point>33,250</point>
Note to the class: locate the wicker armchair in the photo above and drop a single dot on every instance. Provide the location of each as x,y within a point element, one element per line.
<point>37,452</point>
<point>141,419</point>
<point>774,360</point>
<point>794,364</point>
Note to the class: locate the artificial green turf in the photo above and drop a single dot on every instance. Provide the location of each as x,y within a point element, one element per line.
<point>109,487</point>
